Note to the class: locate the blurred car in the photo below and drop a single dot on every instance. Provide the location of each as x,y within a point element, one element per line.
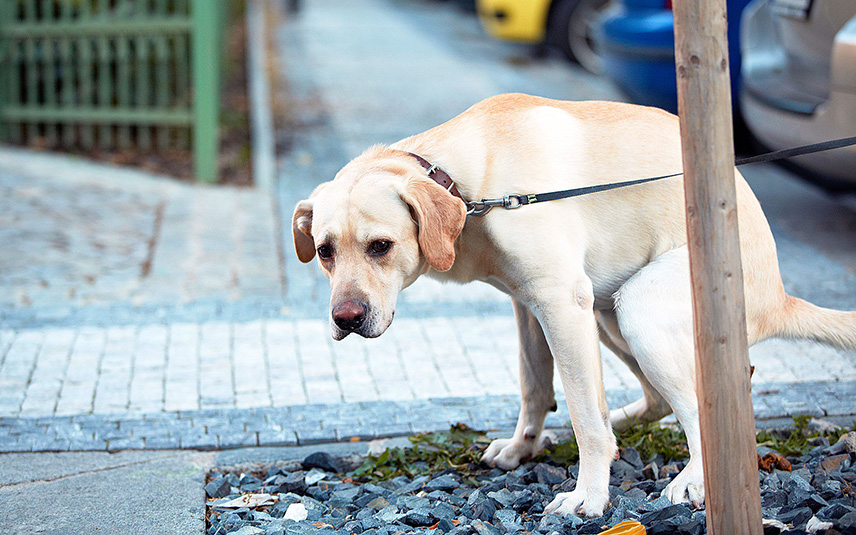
<point>566,24</point>
<point>636,41</point>
<point>799,80</point>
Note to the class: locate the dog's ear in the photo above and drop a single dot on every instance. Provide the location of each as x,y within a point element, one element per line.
<point>440,217</point>
<point>301,228</point>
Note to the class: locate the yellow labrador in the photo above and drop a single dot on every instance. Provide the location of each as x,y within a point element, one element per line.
<point>617,259</point>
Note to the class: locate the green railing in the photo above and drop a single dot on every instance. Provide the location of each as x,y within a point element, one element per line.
<point>113,75</point>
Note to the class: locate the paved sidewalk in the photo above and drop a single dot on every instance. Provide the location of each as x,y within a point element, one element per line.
<point>78,234</point>
<point>136,312</point>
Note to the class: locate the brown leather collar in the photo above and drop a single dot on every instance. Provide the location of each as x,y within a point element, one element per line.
<point>439,176</point>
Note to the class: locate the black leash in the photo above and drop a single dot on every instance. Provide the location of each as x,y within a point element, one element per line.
<point>510,202</point>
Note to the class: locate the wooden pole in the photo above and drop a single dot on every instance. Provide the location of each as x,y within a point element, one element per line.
<point>733,498</point>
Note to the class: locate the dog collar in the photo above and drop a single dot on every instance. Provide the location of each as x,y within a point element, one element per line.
<point>439,176</point>
<point>474,208</point>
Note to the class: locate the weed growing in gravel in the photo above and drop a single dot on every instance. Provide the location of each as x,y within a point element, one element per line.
<point>797,440</point>
<point>460,448</point>
<point>649,440</point>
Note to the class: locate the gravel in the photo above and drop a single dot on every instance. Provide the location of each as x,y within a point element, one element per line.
<point>815,497</point>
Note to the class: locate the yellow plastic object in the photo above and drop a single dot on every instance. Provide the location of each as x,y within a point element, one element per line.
<point>515,20</point>
<point>628,527</point>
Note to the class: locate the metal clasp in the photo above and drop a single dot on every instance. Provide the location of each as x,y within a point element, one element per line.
<point>482,207</point>
<point>510,202</point>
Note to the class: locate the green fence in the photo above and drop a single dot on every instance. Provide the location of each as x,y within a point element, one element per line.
<point>113,75</point>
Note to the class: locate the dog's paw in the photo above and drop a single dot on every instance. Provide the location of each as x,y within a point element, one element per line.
<point>579,502</point>
<point>508,453</point>
<point>688,486</point>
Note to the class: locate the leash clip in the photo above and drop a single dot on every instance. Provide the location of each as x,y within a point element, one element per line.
<point>510,202</point>
<point>482,207</point>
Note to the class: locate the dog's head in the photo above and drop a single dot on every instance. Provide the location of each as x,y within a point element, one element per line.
<point>375,228</point>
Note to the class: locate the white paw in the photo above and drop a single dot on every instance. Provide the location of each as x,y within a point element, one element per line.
<point>508,453</point>
<point>578,502</point>
<point>688,486</point>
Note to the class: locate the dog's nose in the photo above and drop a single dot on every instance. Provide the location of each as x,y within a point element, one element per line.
<point>349,315</point>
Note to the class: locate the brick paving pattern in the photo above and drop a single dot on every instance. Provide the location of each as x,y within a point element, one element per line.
<point>137,312</point>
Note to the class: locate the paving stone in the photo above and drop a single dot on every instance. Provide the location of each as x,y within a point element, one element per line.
<point>237,440</point>
<point>130,443</point>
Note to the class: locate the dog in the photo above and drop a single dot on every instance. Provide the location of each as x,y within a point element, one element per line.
<point>611,266</point>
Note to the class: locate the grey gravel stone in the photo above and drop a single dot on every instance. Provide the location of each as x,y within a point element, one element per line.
<point>651,471</point>
<point>418,517</point>
<point>249,530</point>
<point>796,517</point>
<point>549,475</point>
<point>656,505</point>
<point>485,528</point>
<point>660,515</point>
<point>292,482</point>
<point>444,482</point>
<point>413,486</point>
<point>485,510</point>
<point>503,496</point>
<point>378,503</point>
<point>631,457</point>
<point>668,470</point>
<point>323,461</point>
<point>445,526</point>
<point>218,488</point>
<point>388,514</point>
<point>443,511</point>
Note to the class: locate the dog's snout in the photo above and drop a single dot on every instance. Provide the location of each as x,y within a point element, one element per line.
<point>349,315</point>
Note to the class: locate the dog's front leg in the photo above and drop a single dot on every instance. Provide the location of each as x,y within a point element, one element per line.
<point>536,386</point>
<point>567,316</point>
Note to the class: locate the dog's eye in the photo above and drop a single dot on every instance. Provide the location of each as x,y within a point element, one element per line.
<point>325,252</point>
<point>379,247</point>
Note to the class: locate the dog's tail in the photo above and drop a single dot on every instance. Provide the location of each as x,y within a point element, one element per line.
<point>801,319</point>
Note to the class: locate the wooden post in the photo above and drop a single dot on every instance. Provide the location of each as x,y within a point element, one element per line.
<point>722,361</point>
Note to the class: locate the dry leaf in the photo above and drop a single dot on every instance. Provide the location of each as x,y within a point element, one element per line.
<point>250,501</point>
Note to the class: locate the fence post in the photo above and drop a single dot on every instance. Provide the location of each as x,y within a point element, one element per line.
<point>206,102</point>
<point>722,359</point>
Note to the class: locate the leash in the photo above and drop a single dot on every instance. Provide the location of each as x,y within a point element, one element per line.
<point>513,201</point>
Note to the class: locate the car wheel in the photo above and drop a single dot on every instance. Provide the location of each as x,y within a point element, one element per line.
<point>572,28</point>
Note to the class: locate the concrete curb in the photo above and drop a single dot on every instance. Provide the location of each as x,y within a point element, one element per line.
<point>223,429</point>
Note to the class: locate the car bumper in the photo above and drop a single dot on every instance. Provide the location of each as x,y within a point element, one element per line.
<point>780,129</point>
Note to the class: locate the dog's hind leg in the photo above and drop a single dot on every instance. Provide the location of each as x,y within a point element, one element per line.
<point>536,384</point>
<point>651,406</point>
<point>654,311</point>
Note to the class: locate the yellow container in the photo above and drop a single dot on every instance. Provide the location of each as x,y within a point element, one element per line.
<point>515,20</point>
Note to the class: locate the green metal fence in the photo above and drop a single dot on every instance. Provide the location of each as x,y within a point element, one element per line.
<point>113,75</point>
